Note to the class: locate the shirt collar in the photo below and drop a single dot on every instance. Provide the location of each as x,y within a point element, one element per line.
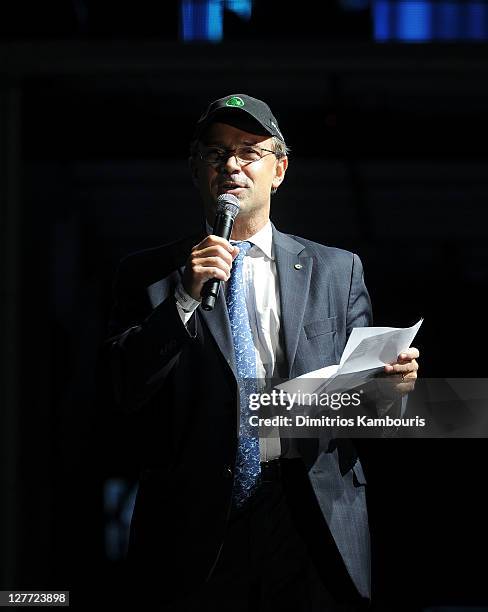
<point>263,239</point>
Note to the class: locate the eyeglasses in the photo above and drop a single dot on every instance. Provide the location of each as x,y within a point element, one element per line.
<point>244,154</point>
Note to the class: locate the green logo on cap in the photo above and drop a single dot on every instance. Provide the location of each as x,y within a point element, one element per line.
<point>235,101</point>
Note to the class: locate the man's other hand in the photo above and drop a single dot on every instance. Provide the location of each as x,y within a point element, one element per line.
<point>402,373</point>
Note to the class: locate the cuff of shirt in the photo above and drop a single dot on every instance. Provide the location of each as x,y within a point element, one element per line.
<point>185,304</point>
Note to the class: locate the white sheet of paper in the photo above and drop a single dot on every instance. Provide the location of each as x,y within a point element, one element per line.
<point>367,351</point>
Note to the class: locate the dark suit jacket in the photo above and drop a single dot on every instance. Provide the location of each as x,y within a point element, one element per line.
<point>181,383</point>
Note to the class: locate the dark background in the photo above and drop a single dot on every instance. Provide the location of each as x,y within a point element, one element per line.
<point>97,105</point>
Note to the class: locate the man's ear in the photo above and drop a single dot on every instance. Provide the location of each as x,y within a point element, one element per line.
<point>280,170</point>
<point>193,171</point>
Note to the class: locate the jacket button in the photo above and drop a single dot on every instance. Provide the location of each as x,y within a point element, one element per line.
<point>227,471</point>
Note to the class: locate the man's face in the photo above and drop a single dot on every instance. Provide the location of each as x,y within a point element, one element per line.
<point>250,182</point>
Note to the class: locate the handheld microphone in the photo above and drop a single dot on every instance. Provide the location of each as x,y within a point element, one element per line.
<point>228,207</point>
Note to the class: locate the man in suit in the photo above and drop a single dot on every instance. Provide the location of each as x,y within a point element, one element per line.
<point>224,520</point>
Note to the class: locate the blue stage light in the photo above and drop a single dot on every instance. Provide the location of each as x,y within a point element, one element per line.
<point>447,21</point>
<point>477,21</point>
<point>429,20</point>
<point>203,20</point>
<point>243,8</point>
<point>382,14</point>
<point>414,21</point>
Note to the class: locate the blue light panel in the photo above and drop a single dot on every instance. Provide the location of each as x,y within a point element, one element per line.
<point>203,20</point>
<point>448,20</point>
<point>419,21</point>
<point>382,13</point>
<point>477,21</point>
<point>413,21</point>
<point>243,8</point>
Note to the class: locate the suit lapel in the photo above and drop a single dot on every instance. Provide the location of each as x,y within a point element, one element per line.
<point>218,323</point>
<point>294,272</point>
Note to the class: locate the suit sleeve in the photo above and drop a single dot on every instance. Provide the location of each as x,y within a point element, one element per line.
<point>359,312</point>
<point>143,346</point>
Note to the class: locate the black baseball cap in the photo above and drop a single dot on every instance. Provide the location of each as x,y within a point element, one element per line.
<point>241,111</point>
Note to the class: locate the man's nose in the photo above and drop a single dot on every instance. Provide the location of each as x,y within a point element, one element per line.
<point>231,164</point>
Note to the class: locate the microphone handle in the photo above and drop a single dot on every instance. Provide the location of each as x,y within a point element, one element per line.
<point>210,290</point>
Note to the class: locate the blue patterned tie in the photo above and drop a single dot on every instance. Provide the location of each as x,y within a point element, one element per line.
<point>248,467</point>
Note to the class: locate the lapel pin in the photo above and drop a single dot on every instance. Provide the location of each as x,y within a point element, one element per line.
<point>298,266</point>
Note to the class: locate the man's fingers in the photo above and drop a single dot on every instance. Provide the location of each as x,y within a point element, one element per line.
<point>411,353</point>
<point>403,373</point>
<point>205,273</point>
<point>406,362</point>
<point>213,240</point>
<point>211,262</point>
<point>411,366</point>
<point>398,368</point>
<point>216,250</point>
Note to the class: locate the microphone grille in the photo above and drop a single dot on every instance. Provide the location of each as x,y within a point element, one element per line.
<point>226,202</point>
